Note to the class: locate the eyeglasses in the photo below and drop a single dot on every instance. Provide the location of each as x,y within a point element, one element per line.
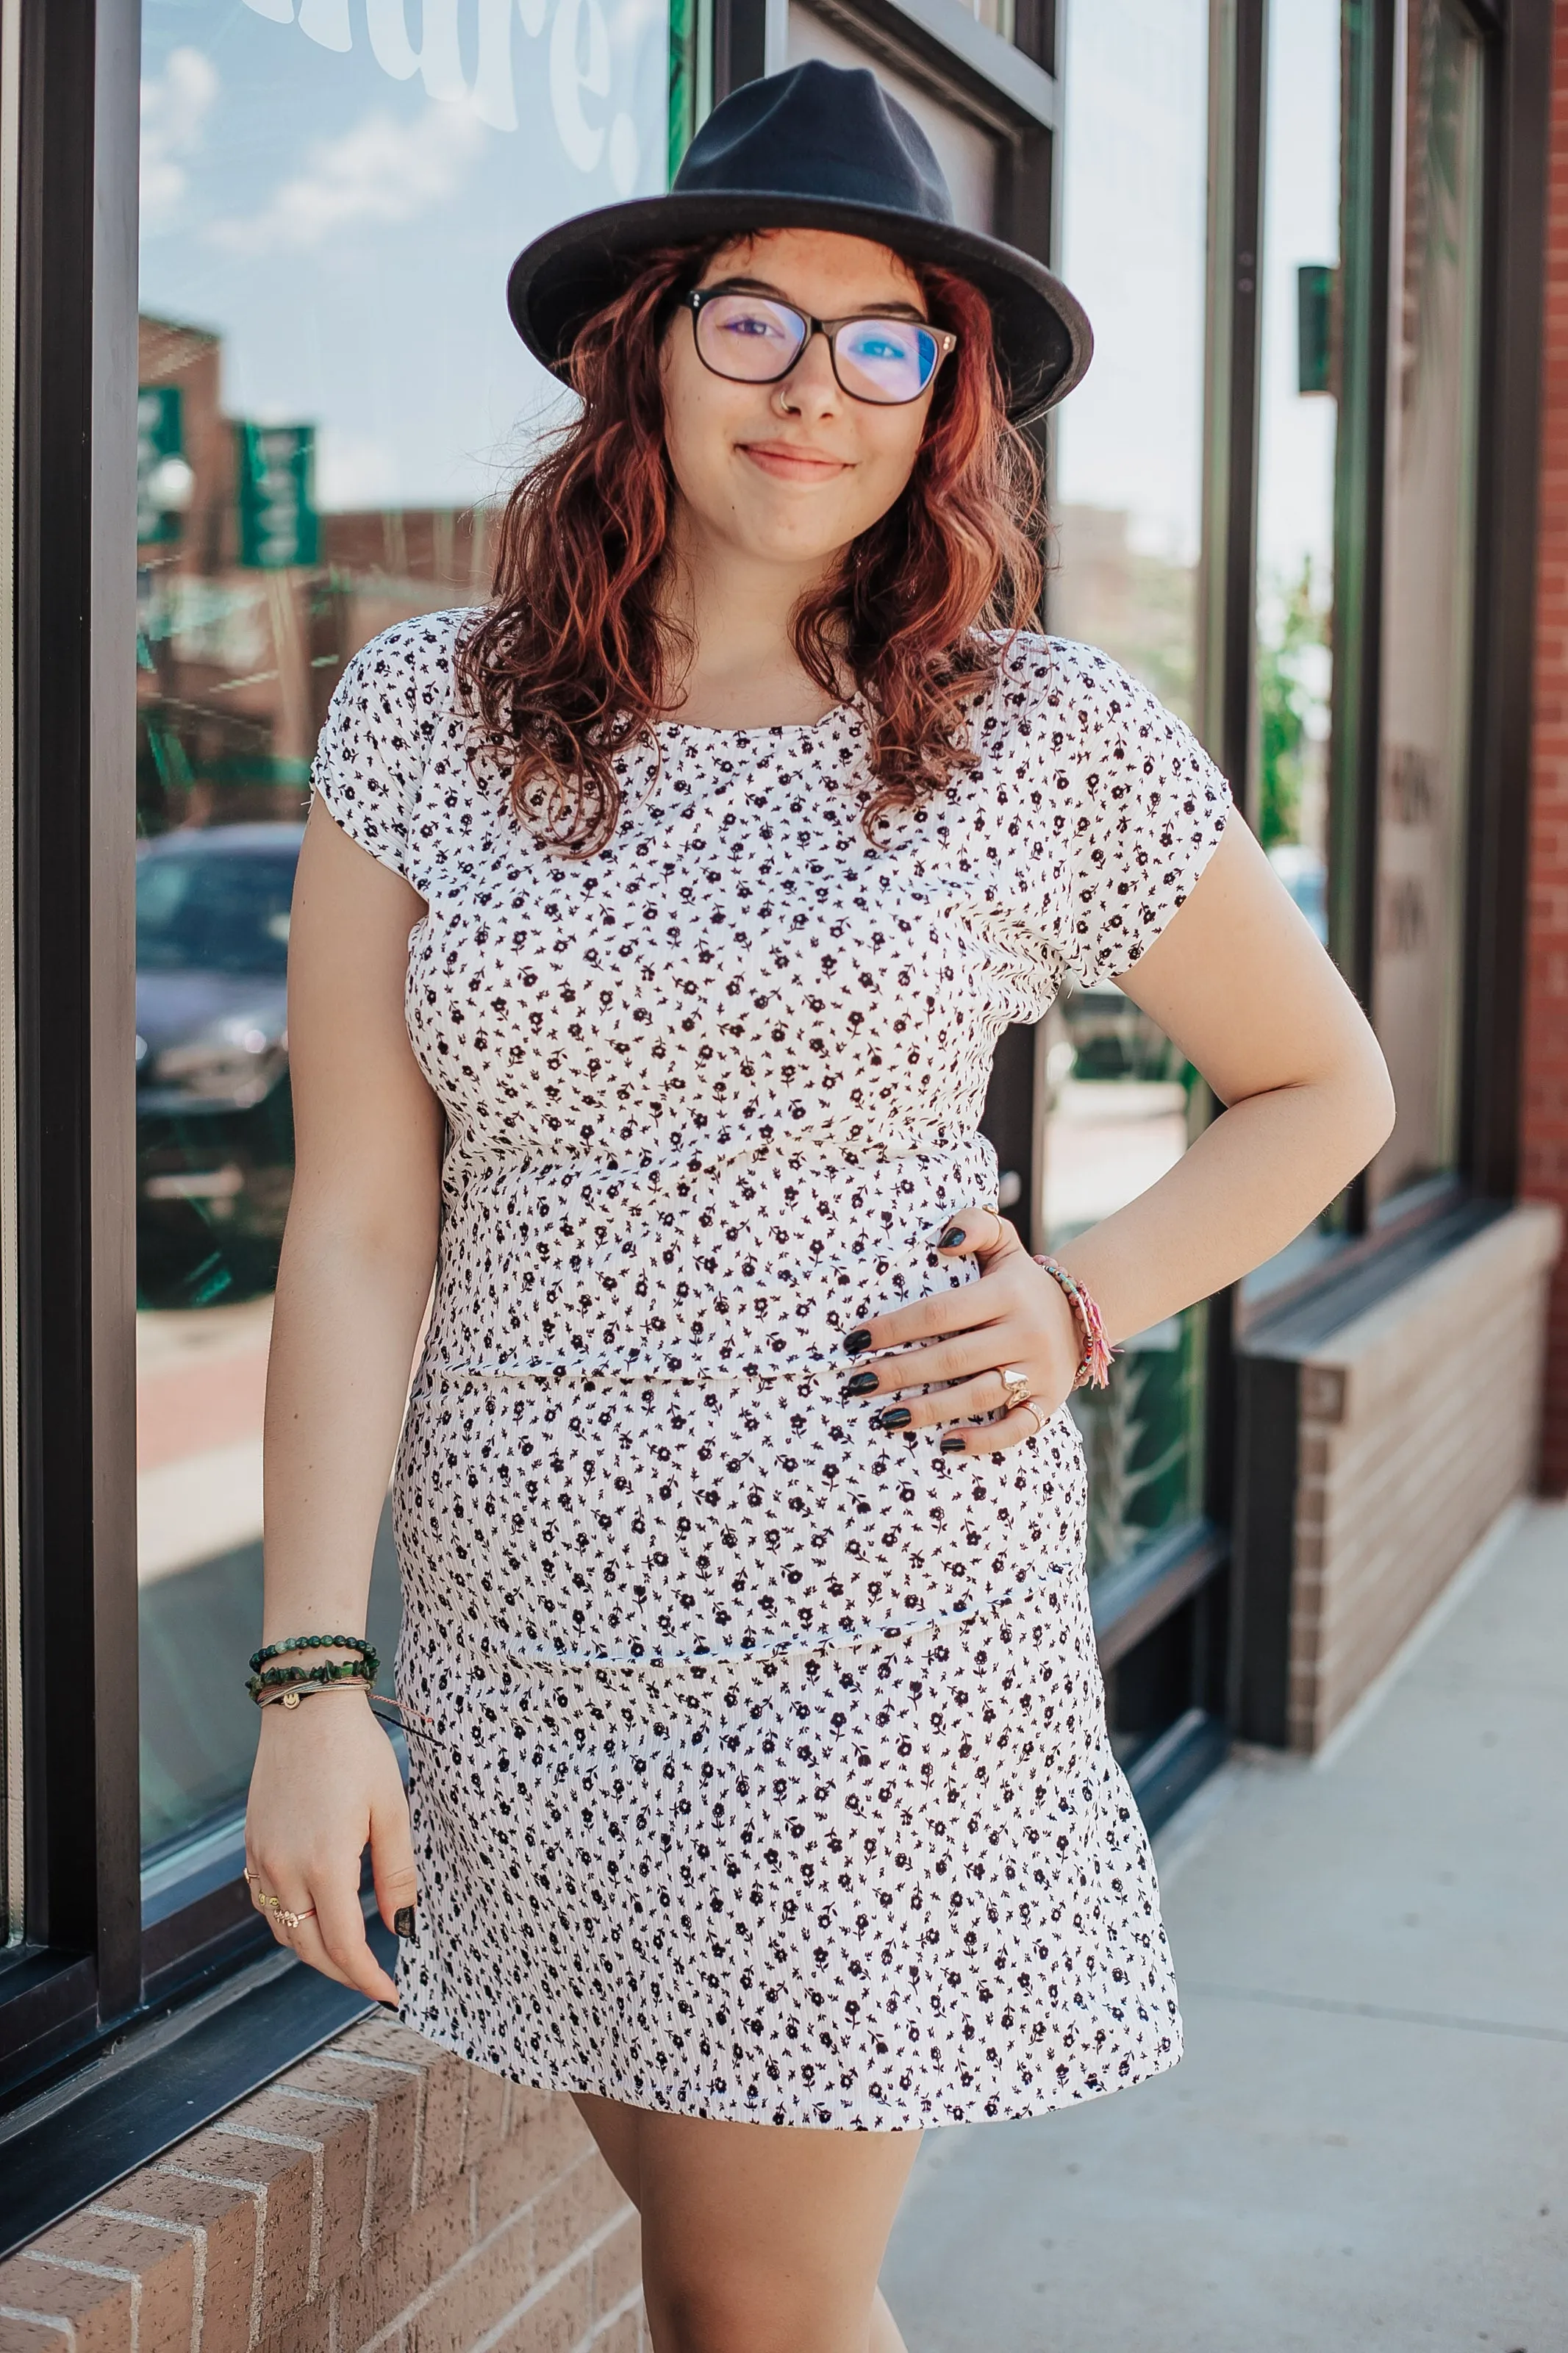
<point>754,339</point>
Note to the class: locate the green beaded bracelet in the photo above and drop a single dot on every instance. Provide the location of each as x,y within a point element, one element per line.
<point>313,1642</point>
<point>330,1672</point>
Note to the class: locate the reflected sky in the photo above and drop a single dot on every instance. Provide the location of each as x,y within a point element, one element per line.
<point>339,191</point>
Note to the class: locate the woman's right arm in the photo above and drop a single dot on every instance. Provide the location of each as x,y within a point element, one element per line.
<point>352,1286</point>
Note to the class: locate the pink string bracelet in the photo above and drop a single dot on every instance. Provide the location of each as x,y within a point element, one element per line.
<point>1095,1350</point>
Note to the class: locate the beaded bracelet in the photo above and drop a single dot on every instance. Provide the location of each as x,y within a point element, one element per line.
<point>313,1642</point>
<point>330,1672</point>
<point>321,1675</point>
<point>1095,1350</point>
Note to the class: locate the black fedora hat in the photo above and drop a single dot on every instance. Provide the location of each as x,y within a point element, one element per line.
<point>817,147</point>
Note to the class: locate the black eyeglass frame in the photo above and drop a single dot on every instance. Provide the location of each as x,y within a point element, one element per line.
<point>946,342</point>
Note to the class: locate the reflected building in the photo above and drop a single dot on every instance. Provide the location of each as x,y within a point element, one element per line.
<point>239,648</point>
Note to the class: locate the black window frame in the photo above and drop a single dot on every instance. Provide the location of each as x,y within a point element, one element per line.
<point>1374,1257</point>
<point>117,2036</point>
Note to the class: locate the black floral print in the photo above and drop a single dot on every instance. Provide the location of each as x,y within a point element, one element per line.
<point>767,1775</point>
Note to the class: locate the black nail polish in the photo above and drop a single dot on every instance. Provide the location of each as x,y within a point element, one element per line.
<point>951,1239</point>
<point>403,1922</point>
<point>857,1341</point>
<point>861,1385</point>
<point>953,1446</point>
<point>892,1417</point>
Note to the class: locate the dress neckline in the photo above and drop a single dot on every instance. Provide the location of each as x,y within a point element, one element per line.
<point>838,711</point>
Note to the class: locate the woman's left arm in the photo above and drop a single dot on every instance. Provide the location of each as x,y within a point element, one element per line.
<point>1238,981</point>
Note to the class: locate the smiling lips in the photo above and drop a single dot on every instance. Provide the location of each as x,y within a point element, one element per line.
<point>788,464</point>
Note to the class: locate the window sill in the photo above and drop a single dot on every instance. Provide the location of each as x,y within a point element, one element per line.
<point>160,2079</point>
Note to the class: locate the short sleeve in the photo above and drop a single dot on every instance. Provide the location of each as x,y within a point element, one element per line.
<point>1147,809</point>
<point>375,745</point>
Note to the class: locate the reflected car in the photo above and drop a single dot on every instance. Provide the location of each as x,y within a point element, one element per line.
<point>214,1122</point>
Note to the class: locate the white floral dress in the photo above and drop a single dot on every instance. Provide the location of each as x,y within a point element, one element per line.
<point>765,1773</point>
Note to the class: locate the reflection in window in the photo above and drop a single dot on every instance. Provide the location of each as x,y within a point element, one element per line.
<point>331,397</point>
<point>1128,494</point>
<point>1298,449</point>
<point>1120,1109</point>
<point>1118,1101</point>
<point>1298,434</point>
<point>1426,614</point>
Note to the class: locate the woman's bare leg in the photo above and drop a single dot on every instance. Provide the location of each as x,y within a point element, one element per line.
<point>758,2239</point>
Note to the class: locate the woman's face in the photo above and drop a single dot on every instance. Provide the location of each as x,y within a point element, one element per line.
<point>791,472</point>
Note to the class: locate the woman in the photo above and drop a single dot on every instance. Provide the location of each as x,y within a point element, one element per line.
<point>654,929</point>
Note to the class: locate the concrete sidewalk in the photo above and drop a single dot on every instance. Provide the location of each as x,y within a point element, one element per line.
<point>1367,2143</point>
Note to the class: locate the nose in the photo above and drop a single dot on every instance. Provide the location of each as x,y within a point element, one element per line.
<point>811,383</point>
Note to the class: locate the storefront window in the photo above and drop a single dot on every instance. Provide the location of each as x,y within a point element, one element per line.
<point>1297,447</point>
<point>1118,1101</point>
<point>967,153</point>
<point>1121,1106</point>
<point>1300,292</point>
<point>332,399</point>
<point>1418,967</point>
<point>1127,491</point>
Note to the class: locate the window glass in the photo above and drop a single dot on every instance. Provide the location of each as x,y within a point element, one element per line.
<point>1121,1106</point>
<point>1298,449</point>
<point>1127,490</point>
<point>1427,577</point>
<point>1117,1103</point>
<point>967,153</point>
<point>330,398</point>
<point>1297,444</point>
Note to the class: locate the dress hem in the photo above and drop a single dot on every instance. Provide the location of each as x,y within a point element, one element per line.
<point>672,2102</point>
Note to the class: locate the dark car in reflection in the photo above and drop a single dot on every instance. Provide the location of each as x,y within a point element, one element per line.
<point>215,1123</point>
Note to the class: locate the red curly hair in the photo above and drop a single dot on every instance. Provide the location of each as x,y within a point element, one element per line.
<point>573,661</point>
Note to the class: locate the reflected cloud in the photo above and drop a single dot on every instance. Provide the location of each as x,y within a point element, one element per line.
<point>381,171</point>
<point>354,469</point>
<point>174,108</point>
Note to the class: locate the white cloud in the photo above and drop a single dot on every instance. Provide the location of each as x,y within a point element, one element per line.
<point>354,469</point>
<point>174,108</point>
<point>381,171</point>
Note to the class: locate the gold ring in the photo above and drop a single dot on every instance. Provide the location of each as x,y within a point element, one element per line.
<point>1029,1406</point>
<point>293,1920</point>
<point>1016,1379</point>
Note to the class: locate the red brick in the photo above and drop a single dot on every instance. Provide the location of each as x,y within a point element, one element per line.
<point>525,2102</point>
<point>443,2100</point>
<point>283,2182</point>
<point>622,2336</point>
<point>617,2264</point>
<point>17,2336</point>
<point>310,2331</point>
<point>571,2208</point>
<point>342,2136</point>
<point>547,2146</point>
<point>221,2224</point>
<point>394,2097</point>
<point>484,2124</point>
<point>164,2262</point>
<point>470,2302</point>
<point>97,2311</point>
<point>398,2270</point>
<point>551,2323</point>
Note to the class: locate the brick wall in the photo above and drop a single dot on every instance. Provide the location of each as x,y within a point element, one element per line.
<point>382,2197</point>
<point>1418,1423</point>
<point>1544,1105</point>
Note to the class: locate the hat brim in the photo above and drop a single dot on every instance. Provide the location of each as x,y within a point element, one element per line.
<point>1043,343</point>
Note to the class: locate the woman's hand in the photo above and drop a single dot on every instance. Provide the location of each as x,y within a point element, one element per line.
<point>1016,1317</point>
<point>325,1784</point>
